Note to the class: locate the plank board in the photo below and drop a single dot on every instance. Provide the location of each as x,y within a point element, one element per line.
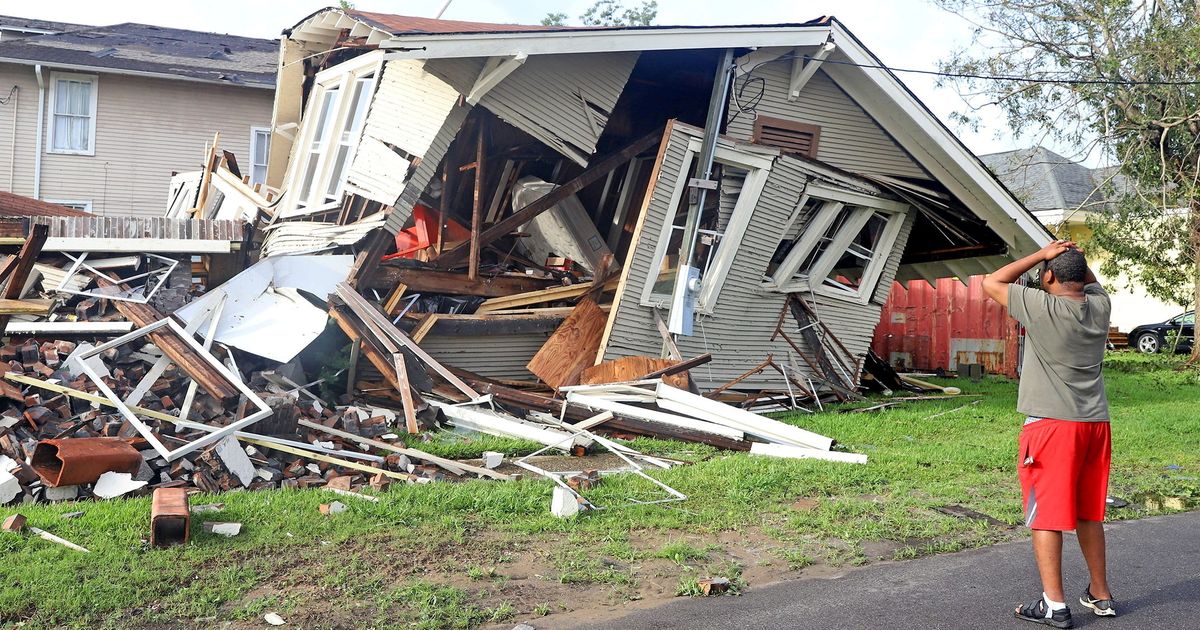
<point>630,369</point>
<point>572,348</point>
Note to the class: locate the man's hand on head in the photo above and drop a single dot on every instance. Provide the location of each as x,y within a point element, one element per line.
<point>1054,249</point>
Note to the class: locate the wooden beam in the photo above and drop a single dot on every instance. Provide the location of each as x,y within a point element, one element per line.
<point>418,280</point>
<point>423,328</point>
<point>533,209</point>
<point>477,199</point>
<point>19,272</point>
<point>540,297</point>
<point>25,307</point>
<point>179,351</point>
<point>677,368</point>
<point>745,375</point>
<point>410,410</point>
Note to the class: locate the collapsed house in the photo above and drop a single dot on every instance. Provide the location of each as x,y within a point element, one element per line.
<point>547,233</point>
<point>537,145</point>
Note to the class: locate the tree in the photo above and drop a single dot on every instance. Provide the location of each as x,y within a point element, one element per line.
<point>610,13</point>
<point>1118,75</point>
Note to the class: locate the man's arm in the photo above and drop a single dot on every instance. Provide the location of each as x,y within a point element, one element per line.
<point>996,283</point>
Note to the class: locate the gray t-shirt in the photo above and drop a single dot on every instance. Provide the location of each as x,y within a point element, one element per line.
<point>1061,373</point>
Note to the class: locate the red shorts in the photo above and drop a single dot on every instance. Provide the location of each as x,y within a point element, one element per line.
<point>1063,468</point>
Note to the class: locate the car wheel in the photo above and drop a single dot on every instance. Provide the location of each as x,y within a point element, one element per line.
<point>1148,343</point>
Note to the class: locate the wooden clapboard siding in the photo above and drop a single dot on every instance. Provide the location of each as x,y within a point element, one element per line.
<point>849,139</point>
<point>738,333</point>
<point>146,128</point>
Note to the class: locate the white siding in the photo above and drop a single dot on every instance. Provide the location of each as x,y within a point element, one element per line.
<point>738,333</point>
<point>850,138</point>
<point>146,129</point>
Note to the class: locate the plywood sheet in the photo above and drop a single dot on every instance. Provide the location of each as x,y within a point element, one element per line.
<point>629,369</point>
<point>572,348</point>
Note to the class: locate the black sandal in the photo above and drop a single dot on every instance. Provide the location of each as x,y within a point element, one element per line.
<point>1036,610</point>
<point>1102,607</point>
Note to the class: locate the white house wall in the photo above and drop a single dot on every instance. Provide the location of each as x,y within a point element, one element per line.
<point>850,138</point>
<point>738,333</point>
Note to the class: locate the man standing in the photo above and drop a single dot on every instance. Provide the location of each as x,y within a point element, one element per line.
<point>1065,445</point>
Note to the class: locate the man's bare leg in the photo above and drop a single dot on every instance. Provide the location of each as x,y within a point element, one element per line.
<point>1091,543</point>
<point>1047,549</point>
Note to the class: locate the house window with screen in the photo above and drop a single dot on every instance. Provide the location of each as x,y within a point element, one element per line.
<point>842,248</point>
<point>260,146</point>
<point>72,126</point>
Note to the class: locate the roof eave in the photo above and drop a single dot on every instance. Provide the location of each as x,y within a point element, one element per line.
<point>135,73</point>
<point>423,46</point>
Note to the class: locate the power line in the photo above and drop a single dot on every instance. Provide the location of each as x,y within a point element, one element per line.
<point>987,77</point>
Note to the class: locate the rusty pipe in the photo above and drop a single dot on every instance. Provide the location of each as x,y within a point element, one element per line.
<point>170,518</point>
<point>72,461</point>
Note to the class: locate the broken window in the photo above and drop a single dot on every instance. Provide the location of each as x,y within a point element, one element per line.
<point>73,123</point>
<point>332,127</point>
<point>841,246</point>
<point>721,224</point>
<point>260,145</point>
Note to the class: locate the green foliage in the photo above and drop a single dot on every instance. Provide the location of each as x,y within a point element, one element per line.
<point>334,373</point>
<point>1115,75</point>
<point>610,13</point>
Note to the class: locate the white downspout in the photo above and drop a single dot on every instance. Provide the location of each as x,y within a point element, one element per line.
<point>37,159</point>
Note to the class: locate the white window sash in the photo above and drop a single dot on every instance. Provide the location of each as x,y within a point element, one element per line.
<point>713,278</point>
<point>342,76</point>
<point>88,120</point>
<point>258,137</point>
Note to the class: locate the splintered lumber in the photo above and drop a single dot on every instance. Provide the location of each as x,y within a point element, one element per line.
<point>325,458</point>
<point>380,324</point>
<point>539,297</point>
<point>676,368</point>
<point>636,368</point>
<point>18,270</point>
<point>950,391</point>
<point>25,307</point>
<point>45,535</point>
<point>386,277</point>
<point>591,174</point>
<point>572,348</point>
<point>178,350</point>
<point>406,397</point>
<point>690,404</point>
<point>745,375</point>
<point>453,466</point>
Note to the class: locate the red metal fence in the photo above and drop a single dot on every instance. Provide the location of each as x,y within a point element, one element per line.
<point>926,328</point>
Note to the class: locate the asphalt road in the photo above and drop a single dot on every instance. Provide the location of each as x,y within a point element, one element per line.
<point>1154,568</point>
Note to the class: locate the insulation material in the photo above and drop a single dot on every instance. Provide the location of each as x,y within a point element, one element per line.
<point>267,293</point>
<point>564,230</point>
<point>563,100</point>
<point>299,237</point>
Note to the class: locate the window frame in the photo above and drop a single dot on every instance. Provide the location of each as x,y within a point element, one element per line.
<point>341,77</point>
<point>254,134</point>
<point>94,80</point>
<point>758,169</point>
<point>83,205</point>
<point>784,280</point>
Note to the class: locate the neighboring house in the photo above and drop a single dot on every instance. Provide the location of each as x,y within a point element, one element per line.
<point>831,179</point>
<point>99,118</point>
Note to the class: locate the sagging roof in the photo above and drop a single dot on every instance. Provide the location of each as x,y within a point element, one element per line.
<point>142,49</point>
<point>32,25</point>
<point>15,206</point>
<point>408,25</point>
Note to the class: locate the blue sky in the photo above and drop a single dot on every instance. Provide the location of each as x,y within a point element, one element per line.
<point>903,33</point>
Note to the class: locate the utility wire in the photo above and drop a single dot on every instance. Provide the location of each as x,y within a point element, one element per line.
<point>987,77</point>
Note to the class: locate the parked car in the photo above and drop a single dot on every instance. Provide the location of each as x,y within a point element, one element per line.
<point>1151,338</point>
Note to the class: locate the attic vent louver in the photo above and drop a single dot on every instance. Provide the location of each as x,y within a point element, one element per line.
<point>789,135</point>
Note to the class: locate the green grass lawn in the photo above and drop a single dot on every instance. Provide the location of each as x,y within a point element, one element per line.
<point>464,555</point>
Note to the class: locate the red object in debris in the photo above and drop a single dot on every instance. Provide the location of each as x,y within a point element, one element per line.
<point>423,233</point>
<point>72,461</point>
<point>926,328</point>
<point>170,518</point>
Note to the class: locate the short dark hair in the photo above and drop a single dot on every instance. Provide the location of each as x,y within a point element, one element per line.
<point>1069,266</point>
